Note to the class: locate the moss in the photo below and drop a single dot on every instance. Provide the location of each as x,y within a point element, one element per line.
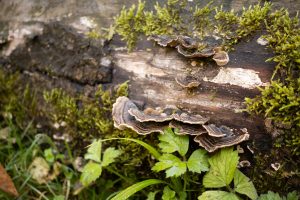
<point>284,39</point>
<point>16,101</point>
<point>176,18</point>
<point>252,19</point>
<point>226,22</point>
<point>133,22</point>
<point>279,102</point>
<point>202,20</point>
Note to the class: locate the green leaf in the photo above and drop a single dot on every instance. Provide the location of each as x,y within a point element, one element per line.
<point>198,161</point>
<point>169,142</point>
<point>182,195</point>
<point>109,156</point>
<point>125,194</point>
<point>151,195</point>
<point>222,168</point>
<point>175,167</point>
<point>48,154</point>
<point>243,185</point>
<point>90,173</point>
<point>292,196</point>
<point>217,195</point>
<point>94,151</point>
<point>168,194</point>
<point>270,196</point>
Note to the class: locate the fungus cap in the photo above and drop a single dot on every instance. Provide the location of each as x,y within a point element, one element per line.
<point>213,143</point>
<point>187,129</point>
<point>122,118</point>
<point>187,81</point>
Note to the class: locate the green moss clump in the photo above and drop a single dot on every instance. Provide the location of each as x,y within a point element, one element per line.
<point>252,19</point>
<point>15,101</point>
<point>279,102</point>
<point>86,118</point>
<point>202,20</point>
<point>133,22</point>
<point>284,39</point>
<point>176,18</point>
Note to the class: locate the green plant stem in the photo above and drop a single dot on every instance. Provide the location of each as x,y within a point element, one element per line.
<point>185,181</point>
<point>69,151</point>
<point>118,174</point>
<point>229,189</point>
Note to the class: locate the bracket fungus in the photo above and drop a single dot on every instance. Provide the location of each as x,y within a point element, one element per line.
<point>213,143</point>
<point>187,81</point>
<point>122,118</point>
<point>194,48</point>
<point>220,57</point>
<point>127,115</point>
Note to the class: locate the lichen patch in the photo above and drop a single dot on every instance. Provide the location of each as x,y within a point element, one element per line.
<point>246,78</point>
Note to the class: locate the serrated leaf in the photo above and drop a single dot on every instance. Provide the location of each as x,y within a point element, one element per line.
<point>198,161</point>
<point>176,170</point>
<point>109,156</point>
<point>90,173</point>
<point>175,167</point>
<point>222,168</point>
<point>169,142</point>
<point>217,195</point>
<point>270,196</point>
<point>125,194</point>
<point>94,151</point>
<point>243,185</point>
<point>168,194</point>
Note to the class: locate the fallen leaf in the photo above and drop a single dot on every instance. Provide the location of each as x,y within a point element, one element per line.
<point>39,170</point>
<point>6,184</point>
<point>4,133</point>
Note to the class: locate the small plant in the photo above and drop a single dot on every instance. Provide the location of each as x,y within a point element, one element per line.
<point>93,169</point>
<point>174,166</point>
<point>223,170</point>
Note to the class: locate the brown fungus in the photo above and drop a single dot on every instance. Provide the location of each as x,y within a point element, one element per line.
<point>187,129</point>
<point>189,118</point>
<point>188,42</point>
<point>221,58</point>
<point>195,53</point>
<point>187,81</point>
<point>167,115</point>
<point>213,143</point>
<point>127,115</point>
<point>122,118</point>
<point>165,40</point>
<point>149,115</point>
<point>215,131</point>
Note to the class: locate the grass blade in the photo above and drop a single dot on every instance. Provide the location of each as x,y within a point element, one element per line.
<point>125,194</point>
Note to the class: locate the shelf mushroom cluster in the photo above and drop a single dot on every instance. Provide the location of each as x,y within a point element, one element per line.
<point>127,115</point>
<point>194,48</point>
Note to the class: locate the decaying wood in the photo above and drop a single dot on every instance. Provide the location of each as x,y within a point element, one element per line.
<point>53,55</point>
